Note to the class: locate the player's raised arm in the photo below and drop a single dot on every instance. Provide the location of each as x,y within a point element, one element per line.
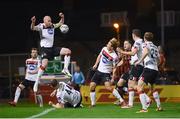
<point>131,53</point>
<point>33,24</point>
<point>33,21</point>
<point>61,20</point>
<point>97,61</point>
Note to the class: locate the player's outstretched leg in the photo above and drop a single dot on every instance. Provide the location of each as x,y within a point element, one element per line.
<point>40,72</point>
<point>66,65</point>
<point>67,56</point>
<point>143,101</point>
<point>39,99</point>
<point>157,100</point>
<point>92,94</point>
<point>17,95</point>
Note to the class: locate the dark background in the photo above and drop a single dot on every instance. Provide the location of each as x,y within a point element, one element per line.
<point>83,18</point>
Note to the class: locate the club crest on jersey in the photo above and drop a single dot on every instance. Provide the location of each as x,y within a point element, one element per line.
<point>105,60</point>
<point>50,31</point>
<point>32,67</point>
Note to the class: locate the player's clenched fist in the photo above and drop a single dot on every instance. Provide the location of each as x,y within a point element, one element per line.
<point>33,19</point>
<point>61,14</point>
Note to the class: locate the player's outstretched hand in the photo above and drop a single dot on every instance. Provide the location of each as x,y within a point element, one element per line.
<point>61,14</point>
<point>94,67</point>
<point>33,19</point>
<point>119,50</point>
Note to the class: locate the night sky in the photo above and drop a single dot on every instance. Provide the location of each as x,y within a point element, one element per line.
<point>82,16</point>
<point>86,36</point>
<point>16,35</point>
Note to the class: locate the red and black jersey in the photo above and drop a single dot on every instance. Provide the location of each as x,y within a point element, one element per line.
<point>126,63</point>
<point>125,67</point>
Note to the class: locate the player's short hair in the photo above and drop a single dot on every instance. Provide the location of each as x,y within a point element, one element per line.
<point>148,36</point>
<point>46,17</point>
<point>53,83</point>
<point>136,32</point>
<point>34,49</point>
<point>115,43</point>
<point>129,41</point>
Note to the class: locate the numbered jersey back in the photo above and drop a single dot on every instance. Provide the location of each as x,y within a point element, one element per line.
<point>151,61</point>
<point>66,93</point>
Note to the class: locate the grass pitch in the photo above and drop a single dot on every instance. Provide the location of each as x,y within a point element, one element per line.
<point>29,110</point>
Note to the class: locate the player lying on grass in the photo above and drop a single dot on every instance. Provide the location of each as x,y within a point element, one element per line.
<point>65,94</point>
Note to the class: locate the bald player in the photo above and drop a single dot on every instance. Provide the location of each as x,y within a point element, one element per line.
<point>48,51</point>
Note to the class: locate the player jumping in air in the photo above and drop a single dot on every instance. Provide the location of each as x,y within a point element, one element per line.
<point>48,51</point>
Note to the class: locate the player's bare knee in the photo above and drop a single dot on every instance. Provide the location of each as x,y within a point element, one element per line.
<point>135,87</point>
<point>65,51</point>
<point>92,86</point>
<point>139,89</point>
<point>130,85</point>
<point>108,86</point>
<point>21,86</point>
<point>120,83</point>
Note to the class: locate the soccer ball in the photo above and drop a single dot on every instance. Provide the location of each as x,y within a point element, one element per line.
<point>64,28</point>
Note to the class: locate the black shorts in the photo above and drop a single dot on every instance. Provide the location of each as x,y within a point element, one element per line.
<point>28,83</point>
<point>91,73</point>
<point>49,53</point>
<point>69,105</point>
<point>100,77</point>
<point>149,76</point>
<point>125,76</point>
<point>136,71</point>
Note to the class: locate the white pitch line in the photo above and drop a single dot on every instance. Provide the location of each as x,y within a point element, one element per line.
<point>41,114</point>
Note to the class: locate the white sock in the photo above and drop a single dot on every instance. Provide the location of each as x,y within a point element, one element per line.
<point>93,98</point>
<point>17,94</point>
<point>143,101</point>
<point>125,89</point>
<point>156,98</point>
<point>131,98</point>
<point>116,94</point>
<point>35,87</point>
<point>40,72</point>
<point>66,61</point>
<point>147,98</point>
<point>40,100</point>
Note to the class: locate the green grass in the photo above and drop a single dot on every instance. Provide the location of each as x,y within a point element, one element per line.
<point>24,110</point>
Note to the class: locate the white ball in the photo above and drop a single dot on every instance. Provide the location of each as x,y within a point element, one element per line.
<point>64,28</point>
